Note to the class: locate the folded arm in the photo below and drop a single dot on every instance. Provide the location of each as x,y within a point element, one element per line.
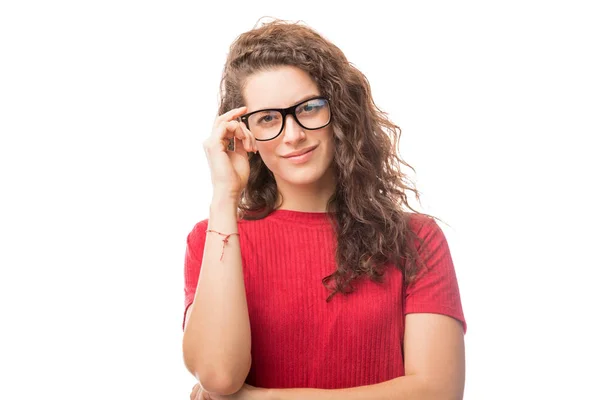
<point>216,338</point>
<point>434,367</point>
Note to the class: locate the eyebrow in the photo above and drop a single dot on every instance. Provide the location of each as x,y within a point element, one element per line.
<point>302,99</point>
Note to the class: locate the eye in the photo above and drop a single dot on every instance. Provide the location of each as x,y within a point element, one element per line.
<point>312,106</point>
<point>266,118</point>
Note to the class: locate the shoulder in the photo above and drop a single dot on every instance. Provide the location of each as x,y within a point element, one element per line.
<point>423,225</point>
<point>429,241</point>
<point>197,235</point>
<point>199,230</point>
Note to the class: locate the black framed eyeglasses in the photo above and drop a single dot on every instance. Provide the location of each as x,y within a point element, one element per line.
<point>267,124</point>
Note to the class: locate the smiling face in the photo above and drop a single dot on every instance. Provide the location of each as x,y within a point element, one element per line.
<point>283,87</point>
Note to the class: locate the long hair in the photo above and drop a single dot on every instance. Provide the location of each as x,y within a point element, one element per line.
<point>369,205</point>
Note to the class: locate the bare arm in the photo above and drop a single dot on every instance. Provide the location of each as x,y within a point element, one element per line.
<point>216,338</point>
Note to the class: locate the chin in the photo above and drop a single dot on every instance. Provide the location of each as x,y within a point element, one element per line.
<point>302,177</point>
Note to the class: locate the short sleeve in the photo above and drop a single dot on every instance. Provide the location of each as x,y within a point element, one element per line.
<point>435,288</point>
<point>194,251</point>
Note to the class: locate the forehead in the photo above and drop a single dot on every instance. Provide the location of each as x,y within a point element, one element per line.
<point>279,87</point>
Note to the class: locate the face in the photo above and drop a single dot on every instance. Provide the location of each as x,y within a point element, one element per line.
<point>281,88</point>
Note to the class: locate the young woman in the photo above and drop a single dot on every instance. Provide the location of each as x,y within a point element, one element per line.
<point>310,279</point>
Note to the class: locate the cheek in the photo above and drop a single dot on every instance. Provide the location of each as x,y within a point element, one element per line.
<point>267,153</point>
<point>330,147</point>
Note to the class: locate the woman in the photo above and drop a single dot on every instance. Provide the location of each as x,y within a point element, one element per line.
<point>310,279</point>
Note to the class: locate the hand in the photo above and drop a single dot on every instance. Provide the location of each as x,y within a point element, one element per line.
<point>229,169</point>
<point>247,392</point>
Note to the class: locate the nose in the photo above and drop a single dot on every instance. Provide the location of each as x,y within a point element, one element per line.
<point>292,132</point>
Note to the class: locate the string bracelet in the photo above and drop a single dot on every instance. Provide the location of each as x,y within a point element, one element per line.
<point>225,240</point>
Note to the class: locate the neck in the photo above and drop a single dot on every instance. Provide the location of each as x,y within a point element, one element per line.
<point>307,198</point>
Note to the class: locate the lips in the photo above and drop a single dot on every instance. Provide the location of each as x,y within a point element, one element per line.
<point>300,152</point>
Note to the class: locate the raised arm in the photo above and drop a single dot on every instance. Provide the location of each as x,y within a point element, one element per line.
<point>216,339</point>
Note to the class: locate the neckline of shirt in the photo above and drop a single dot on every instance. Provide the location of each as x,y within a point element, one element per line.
<point>304,217</point>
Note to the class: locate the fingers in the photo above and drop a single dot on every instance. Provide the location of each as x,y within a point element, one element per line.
<point>239,131</point>
<point>195,390</point>
<point>223,133</point>
<point>227,127</point>
<point>253,139</point>
<point>204,396</point>
<point>230,115</point>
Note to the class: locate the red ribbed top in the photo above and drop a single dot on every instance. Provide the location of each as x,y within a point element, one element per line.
<point>300,340</point>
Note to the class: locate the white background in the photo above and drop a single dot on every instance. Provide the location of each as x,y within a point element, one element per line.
<point>103,110</point>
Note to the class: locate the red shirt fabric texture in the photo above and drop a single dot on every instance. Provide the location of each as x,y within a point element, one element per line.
<point>299,339</point>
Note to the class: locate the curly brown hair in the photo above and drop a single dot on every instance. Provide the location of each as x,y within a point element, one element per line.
<point>369,204</point>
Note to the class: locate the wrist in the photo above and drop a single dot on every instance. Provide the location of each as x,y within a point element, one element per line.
<point>223,215</point>
<point>225,200</point>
